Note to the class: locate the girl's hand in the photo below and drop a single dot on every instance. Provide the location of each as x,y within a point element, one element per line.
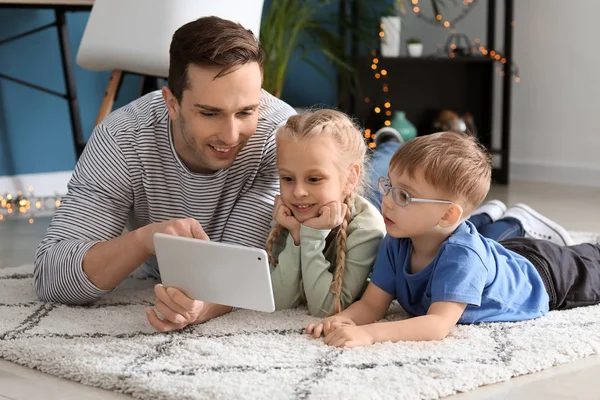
<point>328,325</point>
<point>350,336</point>
<point>330,215</point>
<point>284,217</point>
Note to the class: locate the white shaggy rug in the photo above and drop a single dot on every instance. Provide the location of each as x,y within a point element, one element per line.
<point>250,355</point>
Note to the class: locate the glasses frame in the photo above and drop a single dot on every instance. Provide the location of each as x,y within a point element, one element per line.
<point>385,187</point>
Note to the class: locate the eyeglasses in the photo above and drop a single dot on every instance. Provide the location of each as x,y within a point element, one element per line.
<point>401,196</point>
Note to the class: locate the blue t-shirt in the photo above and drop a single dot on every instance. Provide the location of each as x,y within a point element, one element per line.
<point>495,283</point>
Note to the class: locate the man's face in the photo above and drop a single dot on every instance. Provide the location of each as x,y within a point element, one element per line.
<point>216,117</point>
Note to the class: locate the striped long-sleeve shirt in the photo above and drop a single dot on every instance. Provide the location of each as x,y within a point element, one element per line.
<point>129,175</point>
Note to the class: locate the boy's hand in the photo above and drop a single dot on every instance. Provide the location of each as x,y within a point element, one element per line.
<point>328,325</point>
<point>284,217</point>
<point>177,309</point>
<point>330,215</point>
<point>350,336</point>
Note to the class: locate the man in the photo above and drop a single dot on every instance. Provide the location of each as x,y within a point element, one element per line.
<point>196,159</point>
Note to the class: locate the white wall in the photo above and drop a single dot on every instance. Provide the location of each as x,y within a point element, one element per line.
<point>555,118</point>
<point>556,107</point>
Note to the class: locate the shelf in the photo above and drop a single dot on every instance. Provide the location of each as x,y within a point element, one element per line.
<point>422,89</point>
<point>423,86</point>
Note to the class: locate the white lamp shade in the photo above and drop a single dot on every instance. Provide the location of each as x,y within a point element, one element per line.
<point>135,35</point>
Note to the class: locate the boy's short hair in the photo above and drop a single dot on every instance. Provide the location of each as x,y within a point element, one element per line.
<point>455,163</point>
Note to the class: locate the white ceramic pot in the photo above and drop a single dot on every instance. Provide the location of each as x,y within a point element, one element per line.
<point>390,42</point>
<point>415,49</point>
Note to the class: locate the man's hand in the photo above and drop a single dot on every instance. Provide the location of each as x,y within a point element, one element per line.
<point>350,336</point>
<point>178,310</point>
<point>187,227</point>
<point>284,217</point>
<point>330,215</point>
<point>328,325</point>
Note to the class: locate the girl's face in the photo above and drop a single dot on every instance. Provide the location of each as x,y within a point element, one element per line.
<point>308,175</point>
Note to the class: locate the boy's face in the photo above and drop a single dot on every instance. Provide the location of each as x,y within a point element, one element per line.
<point>415,219</point>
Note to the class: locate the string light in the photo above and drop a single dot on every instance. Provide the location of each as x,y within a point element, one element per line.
<point>20,205</point>
<point>387,104</point>
<point>437,20</point>
<point>439,17</point>
<point>497,56</point>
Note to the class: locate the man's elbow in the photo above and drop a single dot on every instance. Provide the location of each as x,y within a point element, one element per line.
<point>52,291</point>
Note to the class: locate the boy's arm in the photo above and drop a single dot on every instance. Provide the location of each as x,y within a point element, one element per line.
<point>440,319</point>
<point>370,308</point>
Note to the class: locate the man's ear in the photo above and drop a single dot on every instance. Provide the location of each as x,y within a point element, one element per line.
<point>452,216</point>
<point>171,102</point>
<point>352,181</point>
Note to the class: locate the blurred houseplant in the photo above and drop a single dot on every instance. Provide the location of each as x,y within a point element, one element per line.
<point>295,28</point>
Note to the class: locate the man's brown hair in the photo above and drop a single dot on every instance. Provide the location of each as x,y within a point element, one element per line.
<point>453,162</point>
<point>210,42</point>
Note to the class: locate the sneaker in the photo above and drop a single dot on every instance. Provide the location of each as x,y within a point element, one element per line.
<point>387,134</point>
<point>537,226</point>
<point>494,208</point>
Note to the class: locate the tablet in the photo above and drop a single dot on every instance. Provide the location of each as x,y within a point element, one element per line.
<point>220,273</point>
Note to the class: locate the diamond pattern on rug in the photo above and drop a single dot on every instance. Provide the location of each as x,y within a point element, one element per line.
<point>253,355</point>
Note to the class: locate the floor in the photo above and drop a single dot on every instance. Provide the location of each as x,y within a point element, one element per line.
<point>576,208</point>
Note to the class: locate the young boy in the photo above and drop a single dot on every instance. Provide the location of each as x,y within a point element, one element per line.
<point>440,269</point>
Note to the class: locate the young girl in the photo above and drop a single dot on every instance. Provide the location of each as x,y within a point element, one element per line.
<point>326,236</point>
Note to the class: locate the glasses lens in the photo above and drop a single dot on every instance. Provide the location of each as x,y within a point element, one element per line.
<point>401,197</point>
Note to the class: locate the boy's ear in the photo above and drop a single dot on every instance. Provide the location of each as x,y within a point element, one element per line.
<point>352,181</point>
<point>452,216</point>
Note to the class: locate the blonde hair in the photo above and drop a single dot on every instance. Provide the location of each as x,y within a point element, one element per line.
<point>455,163</point>
<point>352,150</point>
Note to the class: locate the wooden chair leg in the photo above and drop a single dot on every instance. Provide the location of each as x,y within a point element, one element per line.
<point>109,96</point>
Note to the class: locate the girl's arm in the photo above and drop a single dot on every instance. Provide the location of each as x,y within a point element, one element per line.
<point>286,275</point>
<point>362,246</point>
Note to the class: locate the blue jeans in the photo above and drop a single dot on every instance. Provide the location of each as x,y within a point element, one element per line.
<point>505,228</point>
<point>502,229</point>
<point>379,165</point>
